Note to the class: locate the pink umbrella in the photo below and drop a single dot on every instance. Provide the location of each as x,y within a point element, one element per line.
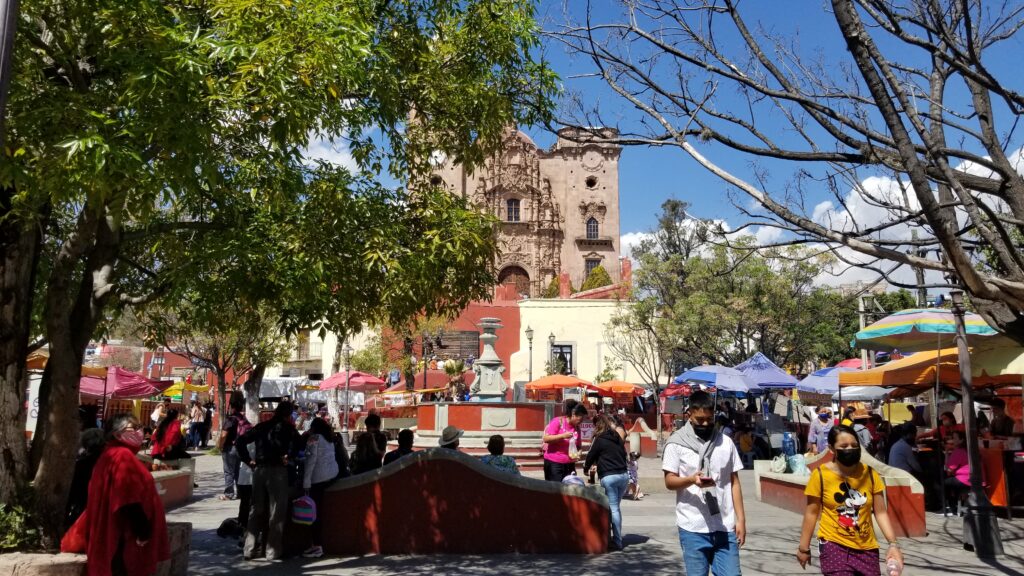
<point>121,383</point>
<point>357,382</point>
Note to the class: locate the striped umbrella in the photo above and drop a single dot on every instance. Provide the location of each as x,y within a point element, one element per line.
<point>919,329</point>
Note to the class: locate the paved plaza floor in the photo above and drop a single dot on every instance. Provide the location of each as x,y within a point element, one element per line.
<point>652,546</point>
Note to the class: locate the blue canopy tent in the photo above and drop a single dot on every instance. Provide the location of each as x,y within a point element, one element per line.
<point>763,373</point>
<point>824,381</point>
<point>723,378</point>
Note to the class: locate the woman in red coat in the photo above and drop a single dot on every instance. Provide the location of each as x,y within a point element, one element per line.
<point>123,530</point>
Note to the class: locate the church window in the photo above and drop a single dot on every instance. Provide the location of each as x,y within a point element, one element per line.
<point>591,182</point>
<point>592,229</point>
<point>436,180</point>
<point>590,264</point>
<point>512,210</point>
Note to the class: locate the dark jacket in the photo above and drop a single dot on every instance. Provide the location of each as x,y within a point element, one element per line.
<point>275,439</point>
<point>608,451</point>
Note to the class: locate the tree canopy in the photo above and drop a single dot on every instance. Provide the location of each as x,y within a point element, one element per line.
<point>155,152</point>
<point>907,109</point>
<point>700,300</point>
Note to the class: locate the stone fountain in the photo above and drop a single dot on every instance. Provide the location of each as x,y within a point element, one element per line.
<point>488,384</point>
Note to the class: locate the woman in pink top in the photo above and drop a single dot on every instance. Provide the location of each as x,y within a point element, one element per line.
<point>958,473</point>
<point>562,443</point>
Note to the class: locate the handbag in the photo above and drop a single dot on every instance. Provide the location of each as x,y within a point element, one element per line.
<point>303,510</point>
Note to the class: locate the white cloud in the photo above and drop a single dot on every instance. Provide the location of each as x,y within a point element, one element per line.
<point>327,150</point>
<point>767,235</point>
<point>631,240</point>
<point>821,210</point>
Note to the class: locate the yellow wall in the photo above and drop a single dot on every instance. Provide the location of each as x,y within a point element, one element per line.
<point>577,322</point>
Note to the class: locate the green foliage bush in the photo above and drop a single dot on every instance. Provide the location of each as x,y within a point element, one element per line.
<point>597,278</point>
<point>552,291</point>
<point>18,531</point>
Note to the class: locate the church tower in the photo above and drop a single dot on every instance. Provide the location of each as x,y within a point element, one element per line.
<point>559,208</point>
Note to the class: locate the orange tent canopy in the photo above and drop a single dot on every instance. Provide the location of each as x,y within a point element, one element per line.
<point>37,361</point>
<point>620,387</point>
<point>918,372</point>
<point>557,382</point>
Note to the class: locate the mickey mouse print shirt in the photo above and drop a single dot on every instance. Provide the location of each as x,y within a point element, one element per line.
<point>846,506</point>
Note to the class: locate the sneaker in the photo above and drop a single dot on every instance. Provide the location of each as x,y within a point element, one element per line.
<point>313,552</point>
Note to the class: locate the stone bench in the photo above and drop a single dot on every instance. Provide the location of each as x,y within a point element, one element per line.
<point>441,501</point>
<point>904,494</point>
<point>179,535</point>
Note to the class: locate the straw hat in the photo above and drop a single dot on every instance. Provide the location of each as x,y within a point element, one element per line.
<point>449,435</point>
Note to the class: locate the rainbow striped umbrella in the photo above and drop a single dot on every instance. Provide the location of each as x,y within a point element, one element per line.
<point>919,329</point>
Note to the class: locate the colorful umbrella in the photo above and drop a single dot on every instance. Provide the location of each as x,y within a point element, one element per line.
<point>919,329</point>
<point>723,377</point>
<point>764,373</point>
<point>357,382</point>
<point>557,382</point>
<point>824,381</point>
<point>919,372</point>
<point>620,387</point>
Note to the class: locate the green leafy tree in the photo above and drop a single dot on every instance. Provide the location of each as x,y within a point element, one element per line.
<point>371,358</point>
<point>610,371</point>
<point>552,290</point>
<point>700,299</point>
<point>156,150</point>
<point>597,278</point>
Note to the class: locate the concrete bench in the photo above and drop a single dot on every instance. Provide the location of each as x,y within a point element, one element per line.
<point>442,501</point>
<point>179,535</point>
<point>903,493</point>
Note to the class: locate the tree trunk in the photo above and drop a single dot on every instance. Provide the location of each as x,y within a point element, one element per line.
<point>222,379</point>
<point>19,253</point>
<point>252,393</point>
<point>74,306</point>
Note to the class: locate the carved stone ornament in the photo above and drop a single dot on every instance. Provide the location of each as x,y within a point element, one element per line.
<point>593,209</point>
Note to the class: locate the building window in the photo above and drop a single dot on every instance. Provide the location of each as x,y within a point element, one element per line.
<point>592,229</point>
<point>592,263</point>
<point>512,210</point>
<point>561,359</point>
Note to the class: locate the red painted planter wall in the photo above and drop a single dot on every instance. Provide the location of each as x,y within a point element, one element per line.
<point>443,503</point>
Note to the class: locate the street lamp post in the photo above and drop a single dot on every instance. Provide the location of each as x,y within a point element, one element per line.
<point>529,339</point>
<point>981,527</point>
<point>551,352</point>
<point>426,338</point>
<point>346,354</point>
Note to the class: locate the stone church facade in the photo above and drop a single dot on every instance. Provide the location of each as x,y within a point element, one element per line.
<point>559,208</point>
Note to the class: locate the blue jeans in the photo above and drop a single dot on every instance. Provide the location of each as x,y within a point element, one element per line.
<point>718,551</point>
<point>614,487</point>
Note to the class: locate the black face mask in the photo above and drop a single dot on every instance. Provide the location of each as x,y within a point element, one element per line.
<point>848,456</point>
<point>703,432</point>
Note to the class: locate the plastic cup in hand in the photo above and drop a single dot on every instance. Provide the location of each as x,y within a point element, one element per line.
<point>893,567</point>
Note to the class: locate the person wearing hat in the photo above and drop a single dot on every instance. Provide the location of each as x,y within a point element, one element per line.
<point>450,437</point>
<point>861,417</point>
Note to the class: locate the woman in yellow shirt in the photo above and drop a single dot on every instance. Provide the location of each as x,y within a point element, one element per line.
<point>844,495</point>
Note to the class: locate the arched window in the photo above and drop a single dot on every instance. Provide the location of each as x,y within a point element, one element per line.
<point>592,229</point>
<point>512,210</point>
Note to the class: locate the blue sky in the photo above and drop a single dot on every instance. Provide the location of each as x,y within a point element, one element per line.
<point>650,175</point>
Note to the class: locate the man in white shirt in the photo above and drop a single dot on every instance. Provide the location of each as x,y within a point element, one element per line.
<point>701,465</point>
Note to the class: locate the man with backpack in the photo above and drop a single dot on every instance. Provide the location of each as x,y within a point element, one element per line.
<point>235,425</point>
